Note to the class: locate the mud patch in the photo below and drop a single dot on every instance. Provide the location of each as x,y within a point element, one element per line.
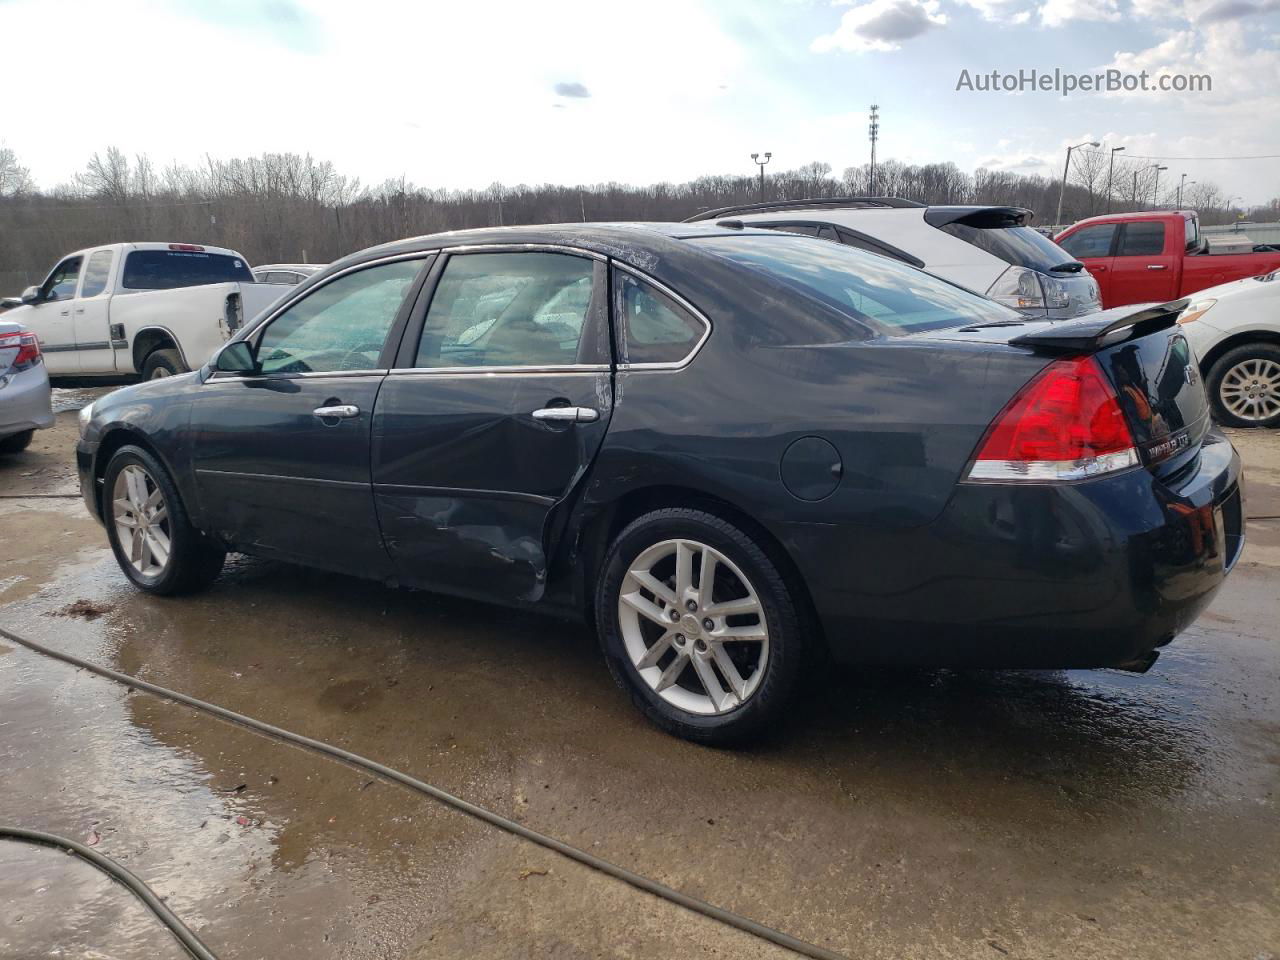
<point>84,609</point>
<point>350,696</point>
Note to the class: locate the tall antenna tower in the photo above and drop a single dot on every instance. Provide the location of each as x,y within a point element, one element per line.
<point>873,130</point>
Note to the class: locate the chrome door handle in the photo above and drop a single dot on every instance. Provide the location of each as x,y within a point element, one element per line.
<point>65,313</point>
<point>342,411</point>
<point>80,310</point>
<point>1157,266</point>
<point>568,414</point>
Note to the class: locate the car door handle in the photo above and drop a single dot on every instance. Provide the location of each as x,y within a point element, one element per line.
<point>569,414</point>
<point>80,310</point>
<point>341,411</point>
<point>1157,266</point>
<point>66,313</point>
<point>1100,268</point>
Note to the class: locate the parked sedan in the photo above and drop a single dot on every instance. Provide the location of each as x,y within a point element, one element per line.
<point>25,398</point>
<point>1235,331</point>
<point>286,273</point>
<point>733,451</point>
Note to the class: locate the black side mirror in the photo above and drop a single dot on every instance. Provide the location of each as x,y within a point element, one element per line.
<point>30,295</point>
<point>236,357</point>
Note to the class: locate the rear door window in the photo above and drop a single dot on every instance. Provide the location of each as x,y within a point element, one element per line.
<point>169,269</point>
<point>507,310</point>
<point>1142,239</point>
<point>96,273</point>
<point>655,329</point>
<point>1092,241</point>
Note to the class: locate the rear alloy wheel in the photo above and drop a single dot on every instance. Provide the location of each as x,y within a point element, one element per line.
<point>154,542</point>
<point>698,626</point>
<point>1244,385</point>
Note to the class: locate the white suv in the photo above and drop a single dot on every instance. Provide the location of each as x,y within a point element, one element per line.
<point>990,250</point>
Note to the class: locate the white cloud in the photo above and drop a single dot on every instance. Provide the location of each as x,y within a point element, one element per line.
<point>881,25</point>
<point>1055,13</point>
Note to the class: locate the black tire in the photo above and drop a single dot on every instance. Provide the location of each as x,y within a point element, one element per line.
<point>17,442</point>
<point>1219,370</point>
<point>764,708</point>
<point>194,561</point>
<point>162,363</point>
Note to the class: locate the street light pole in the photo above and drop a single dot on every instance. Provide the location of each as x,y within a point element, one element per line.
<point>1066,168</point>
<point>1155,186</point>
<point>1182,186</point>
<point>755,158</point>
<point>1111,169</point>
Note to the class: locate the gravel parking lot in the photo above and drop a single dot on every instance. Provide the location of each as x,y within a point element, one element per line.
<point>899,814</point>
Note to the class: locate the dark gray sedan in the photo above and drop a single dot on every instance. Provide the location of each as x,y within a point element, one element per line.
<point>734,451</point>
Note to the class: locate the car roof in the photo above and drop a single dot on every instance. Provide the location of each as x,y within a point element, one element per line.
<point>300,267</point>
<point>153,245</point>
<point>635,243</point>
<point>1135,215</point>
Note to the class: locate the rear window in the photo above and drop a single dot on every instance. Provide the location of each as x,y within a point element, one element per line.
<point>883,294</point>
<point>1019,246</point>
<point>167,269</point>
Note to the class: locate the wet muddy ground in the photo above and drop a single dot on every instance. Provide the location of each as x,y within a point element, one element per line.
<point>905,814</point>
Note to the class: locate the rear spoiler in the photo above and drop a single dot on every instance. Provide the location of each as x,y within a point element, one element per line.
<point>1098,330</point>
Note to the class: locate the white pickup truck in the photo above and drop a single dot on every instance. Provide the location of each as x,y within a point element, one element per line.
<point>152,309</point>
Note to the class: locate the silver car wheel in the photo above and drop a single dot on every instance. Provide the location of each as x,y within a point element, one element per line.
<point>142,520</point>
<point>160,372</point>
<point>1251,389</point>
<point>693,627</point>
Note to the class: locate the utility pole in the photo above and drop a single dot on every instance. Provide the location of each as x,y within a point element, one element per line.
<point>1066,169</point>
<point>755,158</point>
<point>1133,194</point>
<point>1155,186</point>
<point>1182,185</point>
<point>1110,169</point>
<point>873,131</point>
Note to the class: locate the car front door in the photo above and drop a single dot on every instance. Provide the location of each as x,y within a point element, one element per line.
<point>501,396</point>
<point>281,456</point>
<point>51,319</point>
<point>1093,246</point>
<point>95,346</point>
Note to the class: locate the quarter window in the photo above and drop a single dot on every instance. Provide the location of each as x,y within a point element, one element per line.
<point>61,284</point>
<point>657,329</point>
<point>1092,241</point>
<point>342,325</point>
<point>96,272</point>
<point>1143,239</point>
<point>507,310</point>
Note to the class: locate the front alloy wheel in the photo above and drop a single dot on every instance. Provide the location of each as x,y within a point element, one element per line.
<point>142,520</point>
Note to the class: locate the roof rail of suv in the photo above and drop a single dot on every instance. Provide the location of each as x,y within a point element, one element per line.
<point>813,202</point>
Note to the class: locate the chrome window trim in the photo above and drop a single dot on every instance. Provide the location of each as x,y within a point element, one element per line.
<point>246,333</point>
<point>693,311</point>
<point>525,247</point>
<point>220,376</point>
<point>548,370</point>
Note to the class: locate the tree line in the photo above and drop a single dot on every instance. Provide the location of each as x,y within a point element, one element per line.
<point>287,207</point>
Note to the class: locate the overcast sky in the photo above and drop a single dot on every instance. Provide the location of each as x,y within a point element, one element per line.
<point>461,94</point>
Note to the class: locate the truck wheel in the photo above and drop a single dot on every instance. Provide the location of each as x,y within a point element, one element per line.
<point>17,443</point>
<point>1244,386</point>
<point>162,363</point>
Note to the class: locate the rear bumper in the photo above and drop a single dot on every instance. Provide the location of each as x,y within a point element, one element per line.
<point>25,402</point>
<point>1090,574</point>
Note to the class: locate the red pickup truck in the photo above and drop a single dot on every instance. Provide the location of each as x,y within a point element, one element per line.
<point>1156,256</point>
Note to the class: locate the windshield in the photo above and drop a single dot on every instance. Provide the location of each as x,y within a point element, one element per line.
<point>888,296</point>
<point>1019,246</point>
<point>167,269</point>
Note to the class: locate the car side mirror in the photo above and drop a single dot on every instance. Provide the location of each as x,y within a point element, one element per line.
<point>30,295</point>
<point>237,357</point>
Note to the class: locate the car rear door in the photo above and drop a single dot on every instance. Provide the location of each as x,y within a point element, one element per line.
<point>95,346</point>
<point>1145,267</point>
<point>500,398</point>
<point>1094,246</point>
<point>281,457</point>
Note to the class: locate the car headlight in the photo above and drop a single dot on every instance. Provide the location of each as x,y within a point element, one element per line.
<point>1196,310</point>
<point>85,415</point>
<point>1019,288</point>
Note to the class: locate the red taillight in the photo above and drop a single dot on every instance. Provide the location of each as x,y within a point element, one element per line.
<point>1066,424</point>
<point>28,348</point>
<point>188,247</point>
